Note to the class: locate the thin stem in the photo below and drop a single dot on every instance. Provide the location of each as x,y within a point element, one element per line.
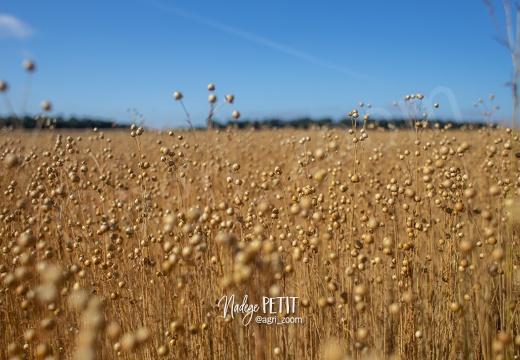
<point>512,44</point>
<point>209,120</point>
<point>8,105</point>
<point>26,92</point>
<point>10,109</point>
<point>187,114</point>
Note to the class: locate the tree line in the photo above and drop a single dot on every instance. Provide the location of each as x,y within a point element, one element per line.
<point>28,122</point>
<point>307,123</point>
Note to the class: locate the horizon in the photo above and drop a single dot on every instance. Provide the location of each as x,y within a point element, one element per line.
<point>99,60</point>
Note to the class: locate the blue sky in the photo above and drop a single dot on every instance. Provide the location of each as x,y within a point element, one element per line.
<point>280,59</point>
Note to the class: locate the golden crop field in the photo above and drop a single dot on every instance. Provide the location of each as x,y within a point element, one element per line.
<point>326,243</point>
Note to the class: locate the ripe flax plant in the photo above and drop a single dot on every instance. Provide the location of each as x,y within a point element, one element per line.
<point>17,121</point>
<point>488,110</point>
<point>212,99</point>
<point>30,68</point>
<point>214,107</point>
<point>101,254</point>
<point>511,40</point>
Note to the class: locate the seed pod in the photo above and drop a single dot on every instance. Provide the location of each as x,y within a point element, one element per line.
<point>26,240</point>
<point>29,65</point>
<point>113,330</point>
<point>128,342</point>
<point>469,193</point>
<point>162,351</point>
<point>11,161</point>
<point>46,105</point>
<point>142,335</point>
<point>465,246</point>
<point>494,190</point>
<point>320,175</point>
<point>394,308</point>
<point>455,307</point>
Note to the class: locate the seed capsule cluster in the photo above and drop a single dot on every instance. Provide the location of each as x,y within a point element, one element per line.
<point>121,243</point>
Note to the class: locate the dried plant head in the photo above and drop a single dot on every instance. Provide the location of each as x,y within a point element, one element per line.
<point>29,65</point>
<point>11,161</point>
<point>177,95</point>
<point>212,98</point>
<point>46,105</point>
<point>230,98</point>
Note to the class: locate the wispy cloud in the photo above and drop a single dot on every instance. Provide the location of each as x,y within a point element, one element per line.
<point>264,41</point>
<point>11,26</point>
